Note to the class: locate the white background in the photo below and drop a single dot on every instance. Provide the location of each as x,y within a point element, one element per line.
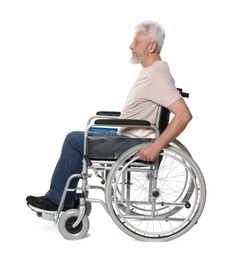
<point>61,61</point>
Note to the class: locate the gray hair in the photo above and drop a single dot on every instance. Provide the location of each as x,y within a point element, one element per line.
<point>155,32</point>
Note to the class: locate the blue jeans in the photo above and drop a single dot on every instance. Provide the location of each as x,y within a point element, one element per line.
<point>71,162</point>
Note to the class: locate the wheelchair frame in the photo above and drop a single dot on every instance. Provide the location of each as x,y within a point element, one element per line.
<point>150,201</point>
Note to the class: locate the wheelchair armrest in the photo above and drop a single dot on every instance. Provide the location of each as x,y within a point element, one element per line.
<point>122,122</point>
<point>108,113</point>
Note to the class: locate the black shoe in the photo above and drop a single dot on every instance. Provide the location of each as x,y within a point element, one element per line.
<point>30,198</point>
<point>42,205</point>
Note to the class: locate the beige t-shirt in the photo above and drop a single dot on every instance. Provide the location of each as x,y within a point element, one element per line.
<point>154,86</point>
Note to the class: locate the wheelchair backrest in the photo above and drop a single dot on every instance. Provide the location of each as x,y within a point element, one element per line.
<point>163,115</point>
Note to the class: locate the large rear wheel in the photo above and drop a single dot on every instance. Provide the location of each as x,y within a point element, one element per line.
<point>155,201</point>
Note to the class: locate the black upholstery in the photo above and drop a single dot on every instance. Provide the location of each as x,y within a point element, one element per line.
<point>122,122</point>
<point>163,119</point>
<point>118,145</point>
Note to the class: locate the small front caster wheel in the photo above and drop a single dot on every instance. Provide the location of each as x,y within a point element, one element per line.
<point>88,208</point>
<point>65,225</point>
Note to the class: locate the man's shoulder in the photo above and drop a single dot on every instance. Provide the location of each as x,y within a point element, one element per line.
<point>161,64</point>
<point>160,68</point>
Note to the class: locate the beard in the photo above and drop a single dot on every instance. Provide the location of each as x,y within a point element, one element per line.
<point>137,59</point>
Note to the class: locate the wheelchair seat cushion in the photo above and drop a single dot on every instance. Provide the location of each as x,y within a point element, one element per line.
<point>111,147</point>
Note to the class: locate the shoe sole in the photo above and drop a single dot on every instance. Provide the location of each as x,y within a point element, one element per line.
<point>41,211</point>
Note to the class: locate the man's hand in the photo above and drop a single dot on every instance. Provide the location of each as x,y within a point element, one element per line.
<point>149,152</point>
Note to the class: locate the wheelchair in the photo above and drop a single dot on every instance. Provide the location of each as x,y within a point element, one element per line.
<point>149,201</point>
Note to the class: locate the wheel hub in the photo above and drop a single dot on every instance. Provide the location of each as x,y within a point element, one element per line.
<point>155,193</point>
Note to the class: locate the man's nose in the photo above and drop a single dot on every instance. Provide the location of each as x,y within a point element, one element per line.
<point>131,46</point>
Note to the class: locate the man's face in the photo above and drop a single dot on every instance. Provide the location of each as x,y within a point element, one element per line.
<point>139,47</point>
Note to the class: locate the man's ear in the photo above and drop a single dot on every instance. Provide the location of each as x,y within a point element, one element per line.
<point>152,47</point>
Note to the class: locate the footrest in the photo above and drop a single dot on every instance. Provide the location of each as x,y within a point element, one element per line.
<point>46,216</point>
